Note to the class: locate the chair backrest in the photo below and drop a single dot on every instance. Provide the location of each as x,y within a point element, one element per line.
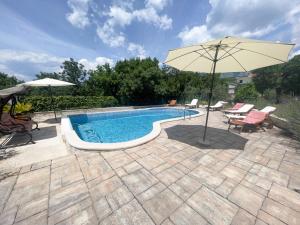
<point>255,117</point>
<point>237,106</point>
<point>194,101</point>
<point>219,104</point>
<point>245,108</point>
<point>268,109</point>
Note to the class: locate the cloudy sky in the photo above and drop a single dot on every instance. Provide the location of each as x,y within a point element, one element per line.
<point>38,35</point>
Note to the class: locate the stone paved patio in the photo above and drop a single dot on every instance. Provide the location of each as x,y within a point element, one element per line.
<point>240,179</point>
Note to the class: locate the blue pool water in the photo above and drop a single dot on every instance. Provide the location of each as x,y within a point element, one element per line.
<point>112,127</point>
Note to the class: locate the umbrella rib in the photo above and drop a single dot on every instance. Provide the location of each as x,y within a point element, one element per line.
<point>235,60</point>
<point>224,57</point>
<point>228,50</point>
<point>202,55</point>
<point>185,55</point>
<point>211,58</point>
<point>194,60</point>
<point>261,54</point>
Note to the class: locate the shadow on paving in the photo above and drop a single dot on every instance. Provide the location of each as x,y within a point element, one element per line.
<point>218,138</point>
<point>43,133</point>
<point>52,120</point>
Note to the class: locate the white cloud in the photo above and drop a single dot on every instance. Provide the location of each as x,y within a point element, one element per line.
<point>294,19</point>
<point>249,18</point>
<point>137,50</point>
<point>79,15</point>
<point>157,4</point>
<point>196,34</point>
<point>297,52</point>
<point>119,16</point>
<point>109,36</point>
<point>150,15</point>
<point>7,55</point>
<point>89,65</point>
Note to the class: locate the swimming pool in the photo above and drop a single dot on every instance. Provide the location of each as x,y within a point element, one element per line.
<point>114,130</point>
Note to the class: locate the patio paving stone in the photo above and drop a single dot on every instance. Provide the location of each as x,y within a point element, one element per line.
<point>151,192</point>
<point>139,181</point>
<point>67,196</point>
<point>246,199</point>
<point>31,208</point>
<point>185,187</point>
<point>274,176</point>
<point>150,161</point>
<point>104,188</point>
<point>70,211</point>
<point>130,214</point>
<point>212,207</point>
<point>102,208</point>
<point>170,175</point>
<point>162,205</point>
<point>85,216</point>
<point>185,215</point>
<point>281,212</point>
<point>285,196</point>
<point>40,218</point>
<point>119,197</point>
<point>243,218</point>
<point>6,187</point>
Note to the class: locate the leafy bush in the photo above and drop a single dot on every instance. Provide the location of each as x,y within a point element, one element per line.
<point>246,92</point>
<point>291,112</point>
<point>19,108</point>
<point>42,103</point>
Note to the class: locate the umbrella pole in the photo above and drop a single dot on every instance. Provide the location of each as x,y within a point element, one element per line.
<point>210,92</point>
<point>52,102</point>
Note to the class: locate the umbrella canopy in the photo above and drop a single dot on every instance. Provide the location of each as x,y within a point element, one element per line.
<point>233,55</point>
<point>47,82</point>
<point>229,54</point>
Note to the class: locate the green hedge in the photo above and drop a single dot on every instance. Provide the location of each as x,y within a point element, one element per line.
<point>42,103</point>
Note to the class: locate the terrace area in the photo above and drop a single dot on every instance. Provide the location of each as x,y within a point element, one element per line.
<point>247,178</point>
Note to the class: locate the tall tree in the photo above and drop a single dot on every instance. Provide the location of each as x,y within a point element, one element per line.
<point>291,76</point>
<point>75,73</point>
<point>7,81</point>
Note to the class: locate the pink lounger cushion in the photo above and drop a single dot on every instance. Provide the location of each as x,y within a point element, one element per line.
<point>237,106</point>
<point>255,117</point>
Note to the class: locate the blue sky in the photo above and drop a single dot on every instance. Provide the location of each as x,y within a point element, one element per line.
<point>38,35</point>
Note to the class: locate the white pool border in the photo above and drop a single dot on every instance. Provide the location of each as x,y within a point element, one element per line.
<point>71,137</point>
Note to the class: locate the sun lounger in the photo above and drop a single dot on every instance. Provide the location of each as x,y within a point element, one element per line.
<point>235,107</point>
<point>10,126</point>
<point>268,110</point>
<point>243,110</point>
<point>193,103</point>
<point>173,102</point>
<point>217,106</point>
<point>253,119</point>
<point>12,129</point>
<point>21,119</point>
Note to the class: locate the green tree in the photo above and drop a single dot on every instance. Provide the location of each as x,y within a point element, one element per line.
<point>75,73</point>
<point>246,92</point>
<point>291,76</point>
<point>7,81</point>
<point>103,81</point>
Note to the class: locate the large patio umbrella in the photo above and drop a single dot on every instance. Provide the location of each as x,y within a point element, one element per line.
<point>48,82</point>
<point>229,54</point>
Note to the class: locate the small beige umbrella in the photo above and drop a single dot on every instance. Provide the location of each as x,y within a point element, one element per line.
<point>228,54</point>
<point>47,82</point>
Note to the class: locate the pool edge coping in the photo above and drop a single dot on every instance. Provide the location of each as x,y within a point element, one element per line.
<point>70,136</point>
